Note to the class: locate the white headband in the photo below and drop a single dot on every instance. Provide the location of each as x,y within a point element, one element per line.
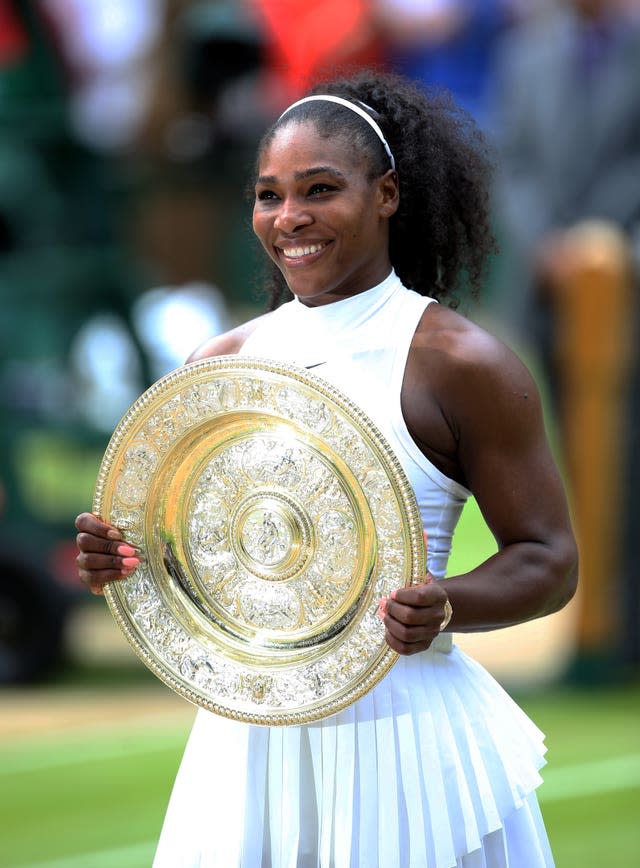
<point>354,108</point>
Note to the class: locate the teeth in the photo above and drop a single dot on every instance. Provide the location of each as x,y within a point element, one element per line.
<point>297,252</point>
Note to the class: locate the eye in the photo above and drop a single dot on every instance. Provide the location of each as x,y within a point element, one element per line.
<point>265,195</point>
<point>319,188</point>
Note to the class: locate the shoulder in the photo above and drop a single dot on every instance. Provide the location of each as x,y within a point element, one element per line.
<point>457,346</point>
<point>463,385</point>
<point>229,343</point>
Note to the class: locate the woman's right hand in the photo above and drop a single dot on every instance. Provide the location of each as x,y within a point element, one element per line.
<point>104,554</point>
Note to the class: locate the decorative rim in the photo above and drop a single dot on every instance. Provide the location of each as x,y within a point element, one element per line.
<point>272,515</point>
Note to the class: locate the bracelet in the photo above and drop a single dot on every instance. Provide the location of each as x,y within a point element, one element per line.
<point>448,613</point>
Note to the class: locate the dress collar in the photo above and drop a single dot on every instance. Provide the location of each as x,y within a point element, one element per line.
<point>353,311</point>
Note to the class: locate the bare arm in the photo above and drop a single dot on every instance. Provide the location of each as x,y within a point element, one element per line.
<point>481,408</point>
<point>510,470</point>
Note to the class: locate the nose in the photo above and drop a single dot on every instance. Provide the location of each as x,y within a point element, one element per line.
<point>291,215</point>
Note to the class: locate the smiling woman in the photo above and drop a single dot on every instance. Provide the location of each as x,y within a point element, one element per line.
<point>320,219</point>
<point>368,223</point>
<point>432,154</point>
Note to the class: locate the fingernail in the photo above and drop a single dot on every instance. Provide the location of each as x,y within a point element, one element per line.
<point>382,609</point>
<point>114,533</point>
<point>130,562</point>
<point>126,551</point>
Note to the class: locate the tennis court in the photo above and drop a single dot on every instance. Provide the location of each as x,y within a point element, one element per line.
<point>87,762</point>
<point>84,781</point>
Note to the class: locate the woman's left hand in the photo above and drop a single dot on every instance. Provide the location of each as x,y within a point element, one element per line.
<point>413,616</point>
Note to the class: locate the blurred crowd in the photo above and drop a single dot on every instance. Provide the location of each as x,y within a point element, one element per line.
<point>127,131</point>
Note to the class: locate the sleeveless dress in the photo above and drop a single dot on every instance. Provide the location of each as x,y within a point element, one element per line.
<point>436,766</point>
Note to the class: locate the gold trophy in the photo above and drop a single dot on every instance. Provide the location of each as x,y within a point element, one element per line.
<point>272,516</point>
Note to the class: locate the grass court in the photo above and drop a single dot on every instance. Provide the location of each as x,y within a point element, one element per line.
<point>92,794</point>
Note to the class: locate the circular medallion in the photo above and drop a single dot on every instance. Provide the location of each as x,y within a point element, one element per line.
<point>272,516</point>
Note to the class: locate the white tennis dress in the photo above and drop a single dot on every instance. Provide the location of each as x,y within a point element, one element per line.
<point>436,766</point>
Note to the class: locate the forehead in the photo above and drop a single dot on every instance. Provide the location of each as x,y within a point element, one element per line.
<point>296,146</point>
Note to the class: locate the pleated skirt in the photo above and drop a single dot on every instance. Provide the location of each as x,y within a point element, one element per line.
<point>436,767</point>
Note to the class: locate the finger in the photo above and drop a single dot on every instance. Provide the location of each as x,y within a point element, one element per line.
<point>427,593</point>
<point>405,619</point>
<point>408,644</point>
<point>96,578</point>
<point>410,634</point>
<point>87,522</point>
<point>104,566</point>
<point>89,544</point>
<point>91,561</point>
<point>382,608</point>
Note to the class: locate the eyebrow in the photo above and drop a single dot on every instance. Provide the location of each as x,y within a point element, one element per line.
<point>301,176</point>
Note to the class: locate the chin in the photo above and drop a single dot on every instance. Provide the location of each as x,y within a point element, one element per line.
<point>306,293</point>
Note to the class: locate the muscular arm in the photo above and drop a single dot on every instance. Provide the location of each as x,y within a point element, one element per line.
<point>508,466</point>
<point>475,411</point>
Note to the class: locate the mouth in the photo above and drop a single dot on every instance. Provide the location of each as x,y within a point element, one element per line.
<point>301,252</point>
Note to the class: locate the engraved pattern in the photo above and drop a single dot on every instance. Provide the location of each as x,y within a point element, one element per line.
<point>296,518</point>
<point>285,517</point>
<point>266,537</point>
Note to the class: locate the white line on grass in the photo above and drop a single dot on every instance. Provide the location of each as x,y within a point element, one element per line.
<point>55,754</point>
<point>591,778</point>
<point>134,856</point>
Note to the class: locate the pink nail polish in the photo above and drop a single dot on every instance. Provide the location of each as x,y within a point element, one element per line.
<point>126,551</point>
<point>130,562</point>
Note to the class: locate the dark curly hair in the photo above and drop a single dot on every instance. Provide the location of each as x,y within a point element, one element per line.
<point>441,236</point>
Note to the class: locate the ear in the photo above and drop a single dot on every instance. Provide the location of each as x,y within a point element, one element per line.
<point>388,194</point>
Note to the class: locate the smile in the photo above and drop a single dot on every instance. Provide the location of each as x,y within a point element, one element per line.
<point>299,252</point>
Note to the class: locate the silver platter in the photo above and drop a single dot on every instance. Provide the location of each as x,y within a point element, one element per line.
<point>272,516</point>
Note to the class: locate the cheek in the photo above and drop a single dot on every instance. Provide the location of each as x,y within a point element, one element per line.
<point>260,228</point>
<point>255,222</point>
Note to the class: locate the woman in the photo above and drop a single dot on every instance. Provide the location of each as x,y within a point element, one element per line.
<point>371,206</point>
